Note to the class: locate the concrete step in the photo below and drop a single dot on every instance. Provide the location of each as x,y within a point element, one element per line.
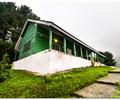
<point>96,90</point>
<point>112,78</point>
<point>114,71</point>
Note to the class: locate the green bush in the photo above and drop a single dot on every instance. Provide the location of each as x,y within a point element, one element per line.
<point>5,68</point>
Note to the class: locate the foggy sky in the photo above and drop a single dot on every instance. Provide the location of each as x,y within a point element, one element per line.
<point>95,23</point>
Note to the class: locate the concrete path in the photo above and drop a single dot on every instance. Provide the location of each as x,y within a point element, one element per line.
<point>103,88</point>
<point>117,70</point>
<point>96,90</point>
<point>112,78</point>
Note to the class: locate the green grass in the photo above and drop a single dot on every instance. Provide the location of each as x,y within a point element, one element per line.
<point>116,93</point>
<point>23,84</point>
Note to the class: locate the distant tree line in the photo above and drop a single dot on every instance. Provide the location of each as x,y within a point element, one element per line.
<point>12,19</point>
<point>109,61</point>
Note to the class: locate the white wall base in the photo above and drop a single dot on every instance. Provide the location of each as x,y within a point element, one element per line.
<point>51,61</point>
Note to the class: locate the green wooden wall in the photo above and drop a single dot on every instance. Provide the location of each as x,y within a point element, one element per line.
<point>36,35</point>
<point>29,35</point>
<point>42,39</point>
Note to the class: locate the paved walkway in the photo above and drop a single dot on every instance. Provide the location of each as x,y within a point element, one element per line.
<point>96,90</point>
<point>103,88</point>
<point>111,78</point>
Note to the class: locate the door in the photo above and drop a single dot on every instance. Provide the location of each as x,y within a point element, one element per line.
<point>56,47</point>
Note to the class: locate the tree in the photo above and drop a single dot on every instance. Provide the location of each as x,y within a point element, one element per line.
<point>6,47</point>
<point>12,19</point>
<point>6,19</point>
<point>109,61</point>
<point>24,10</point>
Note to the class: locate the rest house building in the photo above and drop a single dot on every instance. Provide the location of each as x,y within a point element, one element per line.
<point>45,48</point>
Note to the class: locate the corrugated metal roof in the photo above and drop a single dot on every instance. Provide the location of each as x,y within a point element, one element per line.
<point>49,23</point>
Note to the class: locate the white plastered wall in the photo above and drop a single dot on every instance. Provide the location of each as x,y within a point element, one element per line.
<point>38,63</point>
<point>60,61</point>
<point>51,61</point>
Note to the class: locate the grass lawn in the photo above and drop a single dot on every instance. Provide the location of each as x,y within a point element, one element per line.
<point>23,84</point>
<point>116,93</point>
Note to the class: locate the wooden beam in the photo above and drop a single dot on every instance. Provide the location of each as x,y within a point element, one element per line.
<point>65,45</point>
<point>50,38</point>
<point>81,52</point>
<point>87,53</point>
<point>74,49</point>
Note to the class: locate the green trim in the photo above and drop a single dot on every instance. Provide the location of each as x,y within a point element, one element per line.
<point>94,56</point>
<point>87,53</point>
<point>65,45</point>
<point>97,58</point>
<point>74,49</point>
<point>81,52</point>
<point>100,59</point>
<point>91,57</point>
<point>103,61</point>
<point>15,56</point>
<point>50,38</point>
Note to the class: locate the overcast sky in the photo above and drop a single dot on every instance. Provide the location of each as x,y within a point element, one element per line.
<point>97,23</point>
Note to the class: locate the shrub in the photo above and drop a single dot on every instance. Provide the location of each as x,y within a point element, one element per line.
<point>5,67</point>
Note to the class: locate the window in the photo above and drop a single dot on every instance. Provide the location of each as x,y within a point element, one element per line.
<point>27,46</point>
